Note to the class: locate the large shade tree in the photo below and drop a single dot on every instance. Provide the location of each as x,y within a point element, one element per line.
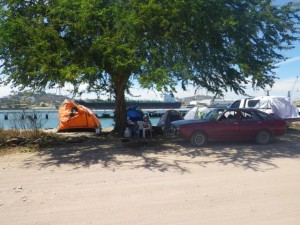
<point>219,45</point>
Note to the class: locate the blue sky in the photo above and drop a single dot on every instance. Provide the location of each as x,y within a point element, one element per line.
<point>287,73</point>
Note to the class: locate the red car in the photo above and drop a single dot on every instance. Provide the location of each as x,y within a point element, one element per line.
<point>231,124</point>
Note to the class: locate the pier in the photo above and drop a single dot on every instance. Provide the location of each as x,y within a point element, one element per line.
<point>100,113</point>
<point>109,113</point>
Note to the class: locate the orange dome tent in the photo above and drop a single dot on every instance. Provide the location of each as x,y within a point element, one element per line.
<point>77,117</point>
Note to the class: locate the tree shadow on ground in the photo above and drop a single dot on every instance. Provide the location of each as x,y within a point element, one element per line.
<point>169,155</point>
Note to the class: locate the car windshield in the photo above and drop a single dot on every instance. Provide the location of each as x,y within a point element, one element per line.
<point>213,114</point>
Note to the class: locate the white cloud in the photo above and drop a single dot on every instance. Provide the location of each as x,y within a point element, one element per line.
<point>291,60</point>
<point>280,88</point>
<point>5,91</point>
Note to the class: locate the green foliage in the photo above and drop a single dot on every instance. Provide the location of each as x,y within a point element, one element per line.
<point>219,45</point>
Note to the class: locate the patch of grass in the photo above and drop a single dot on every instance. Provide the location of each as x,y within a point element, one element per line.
<point>31,139</point>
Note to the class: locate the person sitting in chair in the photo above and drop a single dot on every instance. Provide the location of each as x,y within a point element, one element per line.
<point>147,122</point>
<point>133,127</point>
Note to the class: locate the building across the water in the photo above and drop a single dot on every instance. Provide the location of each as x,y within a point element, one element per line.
<point>169,102</point>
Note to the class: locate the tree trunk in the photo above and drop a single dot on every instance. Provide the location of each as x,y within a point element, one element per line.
<point>120,117</point>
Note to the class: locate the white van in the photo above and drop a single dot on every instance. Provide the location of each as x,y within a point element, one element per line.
<point>269,104</point>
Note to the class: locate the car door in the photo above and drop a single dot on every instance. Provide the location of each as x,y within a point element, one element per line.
<point>250,124</point>
<point>226,127</point>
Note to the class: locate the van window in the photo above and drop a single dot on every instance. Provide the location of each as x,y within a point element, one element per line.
<point>252,103</point>
<point>236,104</point>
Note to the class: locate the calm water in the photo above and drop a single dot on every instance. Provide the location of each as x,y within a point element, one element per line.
<point>44,119</point>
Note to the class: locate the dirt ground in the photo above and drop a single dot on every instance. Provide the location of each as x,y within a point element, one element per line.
<point>106,181</point>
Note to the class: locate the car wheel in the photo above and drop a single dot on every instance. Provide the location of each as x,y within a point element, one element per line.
<point>263,137</point>
<point>198,139</point>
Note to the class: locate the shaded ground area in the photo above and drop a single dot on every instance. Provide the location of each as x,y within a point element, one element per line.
<point>90,149</point>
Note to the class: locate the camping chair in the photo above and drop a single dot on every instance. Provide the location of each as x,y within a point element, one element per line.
<point>144,129</point>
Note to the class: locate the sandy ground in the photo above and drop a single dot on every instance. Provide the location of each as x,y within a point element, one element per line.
<point>153,182</point>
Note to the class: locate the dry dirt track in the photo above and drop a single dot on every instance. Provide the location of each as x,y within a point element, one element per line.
<point>153,182</point>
